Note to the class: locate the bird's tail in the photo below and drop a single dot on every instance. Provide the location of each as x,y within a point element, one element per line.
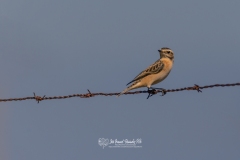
<point>132,86</point>
<point>124,91</point>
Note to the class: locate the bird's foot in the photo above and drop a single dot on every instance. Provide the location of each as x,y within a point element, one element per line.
<point>152,91</point>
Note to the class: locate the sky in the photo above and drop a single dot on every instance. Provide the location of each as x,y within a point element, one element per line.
<point>57,48</point>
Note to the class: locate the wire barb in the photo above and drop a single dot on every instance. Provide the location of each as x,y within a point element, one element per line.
<point>196,87</point>
<point>151,93</point>
<point>88,95</point>
<point>38,98</point>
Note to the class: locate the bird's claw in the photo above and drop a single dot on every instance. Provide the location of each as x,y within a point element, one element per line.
<point>151,91</point>
<point>163,92</point>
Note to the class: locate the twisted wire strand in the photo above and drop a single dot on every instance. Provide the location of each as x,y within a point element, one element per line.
<point>89,94</point>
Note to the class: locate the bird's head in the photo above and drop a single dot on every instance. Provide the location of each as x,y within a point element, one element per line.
<point>166,53</point>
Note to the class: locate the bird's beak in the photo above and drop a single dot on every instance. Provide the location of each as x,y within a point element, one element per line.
<point>159,50</point>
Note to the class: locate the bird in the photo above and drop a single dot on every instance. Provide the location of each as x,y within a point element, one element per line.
<point>153,74</point>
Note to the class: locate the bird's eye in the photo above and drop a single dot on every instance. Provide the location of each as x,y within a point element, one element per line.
<point>168,52</point>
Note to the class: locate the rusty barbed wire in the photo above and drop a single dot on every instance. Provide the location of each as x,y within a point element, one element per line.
<point>150,92</point>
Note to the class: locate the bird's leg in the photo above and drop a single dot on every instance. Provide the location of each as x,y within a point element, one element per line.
<point>161,89</point>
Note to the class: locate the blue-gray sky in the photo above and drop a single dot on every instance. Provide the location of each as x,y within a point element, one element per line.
<point>56,47</point>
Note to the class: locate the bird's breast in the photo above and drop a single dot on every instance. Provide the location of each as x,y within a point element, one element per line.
<point>164,72</point>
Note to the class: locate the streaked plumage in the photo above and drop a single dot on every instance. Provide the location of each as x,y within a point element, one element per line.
<point>155,73</point>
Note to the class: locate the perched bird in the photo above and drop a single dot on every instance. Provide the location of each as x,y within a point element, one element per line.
<point>155,73</point>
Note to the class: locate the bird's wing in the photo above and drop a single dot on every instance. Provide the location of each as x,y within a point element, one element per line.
<point>152,69</point>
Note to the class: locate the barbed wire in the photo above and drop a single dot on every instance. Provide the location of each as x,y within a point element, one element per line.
<point>150,93</point>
